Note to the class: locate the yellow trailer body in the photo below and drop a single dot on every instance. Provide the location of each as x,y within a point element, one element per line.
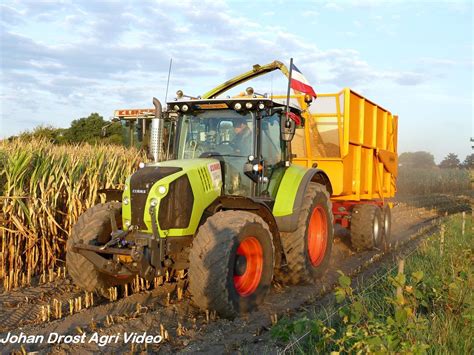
<point>354,141</point>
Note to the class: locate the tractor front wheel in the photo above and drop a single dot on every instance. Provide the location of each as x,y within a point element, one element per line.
<point>92,227</point>
<point>231,263</point>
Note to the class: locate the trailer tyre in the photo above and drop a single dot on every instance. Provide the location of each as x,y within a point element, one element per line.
<point>231,263</point>
<point>366,227</point>
<point>92,227</point>
<point>308,249</point>
<point>387,227</point>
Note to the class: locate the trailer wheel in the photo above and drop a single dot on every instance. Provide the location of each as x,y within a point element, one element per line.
<point>387,226</point>
<point>308,249</point>
<point>366,227</point>
<point>92,227</point>
<point>231,263</point>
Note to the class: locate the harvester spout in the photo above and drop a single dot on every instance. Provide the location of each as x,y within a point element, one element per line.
<point>156,132</point>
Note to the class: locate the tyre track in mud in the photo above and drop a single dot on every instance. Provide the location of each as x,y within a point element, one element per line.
<point>200,333</point>
<point>22,306</point>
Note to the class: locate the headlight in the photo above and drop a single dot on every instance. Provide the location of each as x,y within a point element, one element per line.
<point>261,106</point>
<point>176,107</point>
<point>249,105</point>
<point>185,108</point>
<point>126,201</point>
<point>162,189</point>
<point>237,106</point>
<point>153,202</point>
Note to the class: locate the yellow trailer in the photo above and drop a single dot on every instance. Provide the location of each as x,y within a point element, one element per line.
<point>354,141</point>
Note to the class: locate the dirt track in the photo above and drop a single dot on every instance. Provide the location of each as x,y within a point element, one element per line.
<point>149,311</point>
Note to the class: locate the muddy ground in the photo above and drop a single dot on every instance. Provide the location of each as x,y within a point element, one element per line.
<point>159,311</point>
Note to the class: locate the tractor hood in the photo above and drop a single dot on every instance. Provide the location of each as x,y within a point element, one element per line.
<point>175,192</point>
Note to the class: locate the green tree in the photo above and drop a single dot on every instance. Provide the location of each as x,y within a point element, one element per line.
<point>85,129</point>
<point>52,134</point>
<point>422,160</point>
<point>451,161</point>
<point>469,162</point>
<point>89,130</point>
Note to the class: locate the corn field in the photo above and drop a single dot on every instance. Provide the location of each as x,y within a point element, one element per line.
<point>414,181</point>
<point>43,190</point>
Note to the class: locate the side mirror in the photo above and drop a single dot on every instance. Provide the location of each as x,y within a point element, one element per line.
<point>287,128</point>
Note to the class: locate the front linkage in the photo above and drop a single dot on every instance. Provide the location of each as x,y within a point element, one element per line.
<point>134,252</point>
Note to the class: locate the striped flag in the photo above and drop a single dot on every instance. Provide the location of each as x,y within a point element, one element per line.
<point>299,82</point>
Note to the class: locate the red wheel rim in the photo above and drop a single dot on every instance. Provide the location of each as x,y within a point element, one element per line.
<point>317,236</point>
<point>246,283</point>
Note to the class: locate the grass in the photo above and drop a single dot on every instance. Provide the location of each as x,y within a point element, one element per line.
<point>43,190</point>
<point>432,312</point>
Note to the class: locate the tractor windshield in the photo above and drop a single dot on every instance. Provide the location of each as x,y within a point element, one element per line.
<point>222,131</point>
<point>230,136</point>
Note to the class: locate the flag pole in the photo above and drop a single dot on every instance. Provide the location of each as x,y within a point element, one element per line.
<point>287,156</point>
<point>289,88</point>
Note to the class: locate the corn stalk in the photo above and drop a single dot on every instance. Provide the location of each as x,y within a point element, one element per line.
<point>44,188</point>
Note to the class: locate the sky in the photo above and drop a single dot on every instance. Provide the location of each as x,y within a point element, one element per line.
<point>62,60</point>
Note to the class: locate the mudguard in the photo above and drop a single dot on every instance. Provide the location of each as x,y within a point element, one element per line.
<point>291,192</point>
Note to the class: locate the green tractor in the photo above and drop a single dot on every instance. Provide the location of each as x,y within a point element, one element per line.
<point>229,207</point>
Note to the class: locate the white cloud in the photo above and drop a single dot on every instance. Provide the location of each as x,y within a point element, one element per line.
<point>108,54</point>
<point>333,6</point>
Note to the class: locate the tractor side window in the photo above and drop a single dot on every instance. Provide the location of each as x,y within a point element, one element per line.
<point>272,153</point>
<point>271,143</point>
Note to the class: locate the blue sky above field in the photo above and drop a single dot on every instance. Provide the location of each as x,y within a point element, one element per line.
<point>63,60</point>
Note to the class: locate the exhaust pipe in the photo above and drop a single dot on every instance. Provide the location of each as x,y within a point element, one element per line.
<point>156,132</point>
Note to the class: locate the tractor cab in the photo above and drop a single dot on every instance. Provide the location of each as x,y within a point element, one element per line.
<point>250,136</point>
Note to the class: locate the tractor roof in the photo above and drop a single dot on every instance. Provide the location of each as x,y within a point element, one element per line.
<point>246,103</point>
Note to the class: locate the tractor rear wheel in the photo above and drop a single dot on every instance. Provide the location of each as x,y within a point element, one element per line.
<point>92,227</point>
<point>366,227</point>
<point>231,263</point>
<point>308,249</point>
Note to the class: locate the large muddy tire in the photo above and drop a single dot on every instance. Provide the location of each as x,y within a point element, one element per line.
<point>231,263</point>
<point>366,227</point>
<point>308,249</point>
<point>92,227</point>
<point>387,227</point>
